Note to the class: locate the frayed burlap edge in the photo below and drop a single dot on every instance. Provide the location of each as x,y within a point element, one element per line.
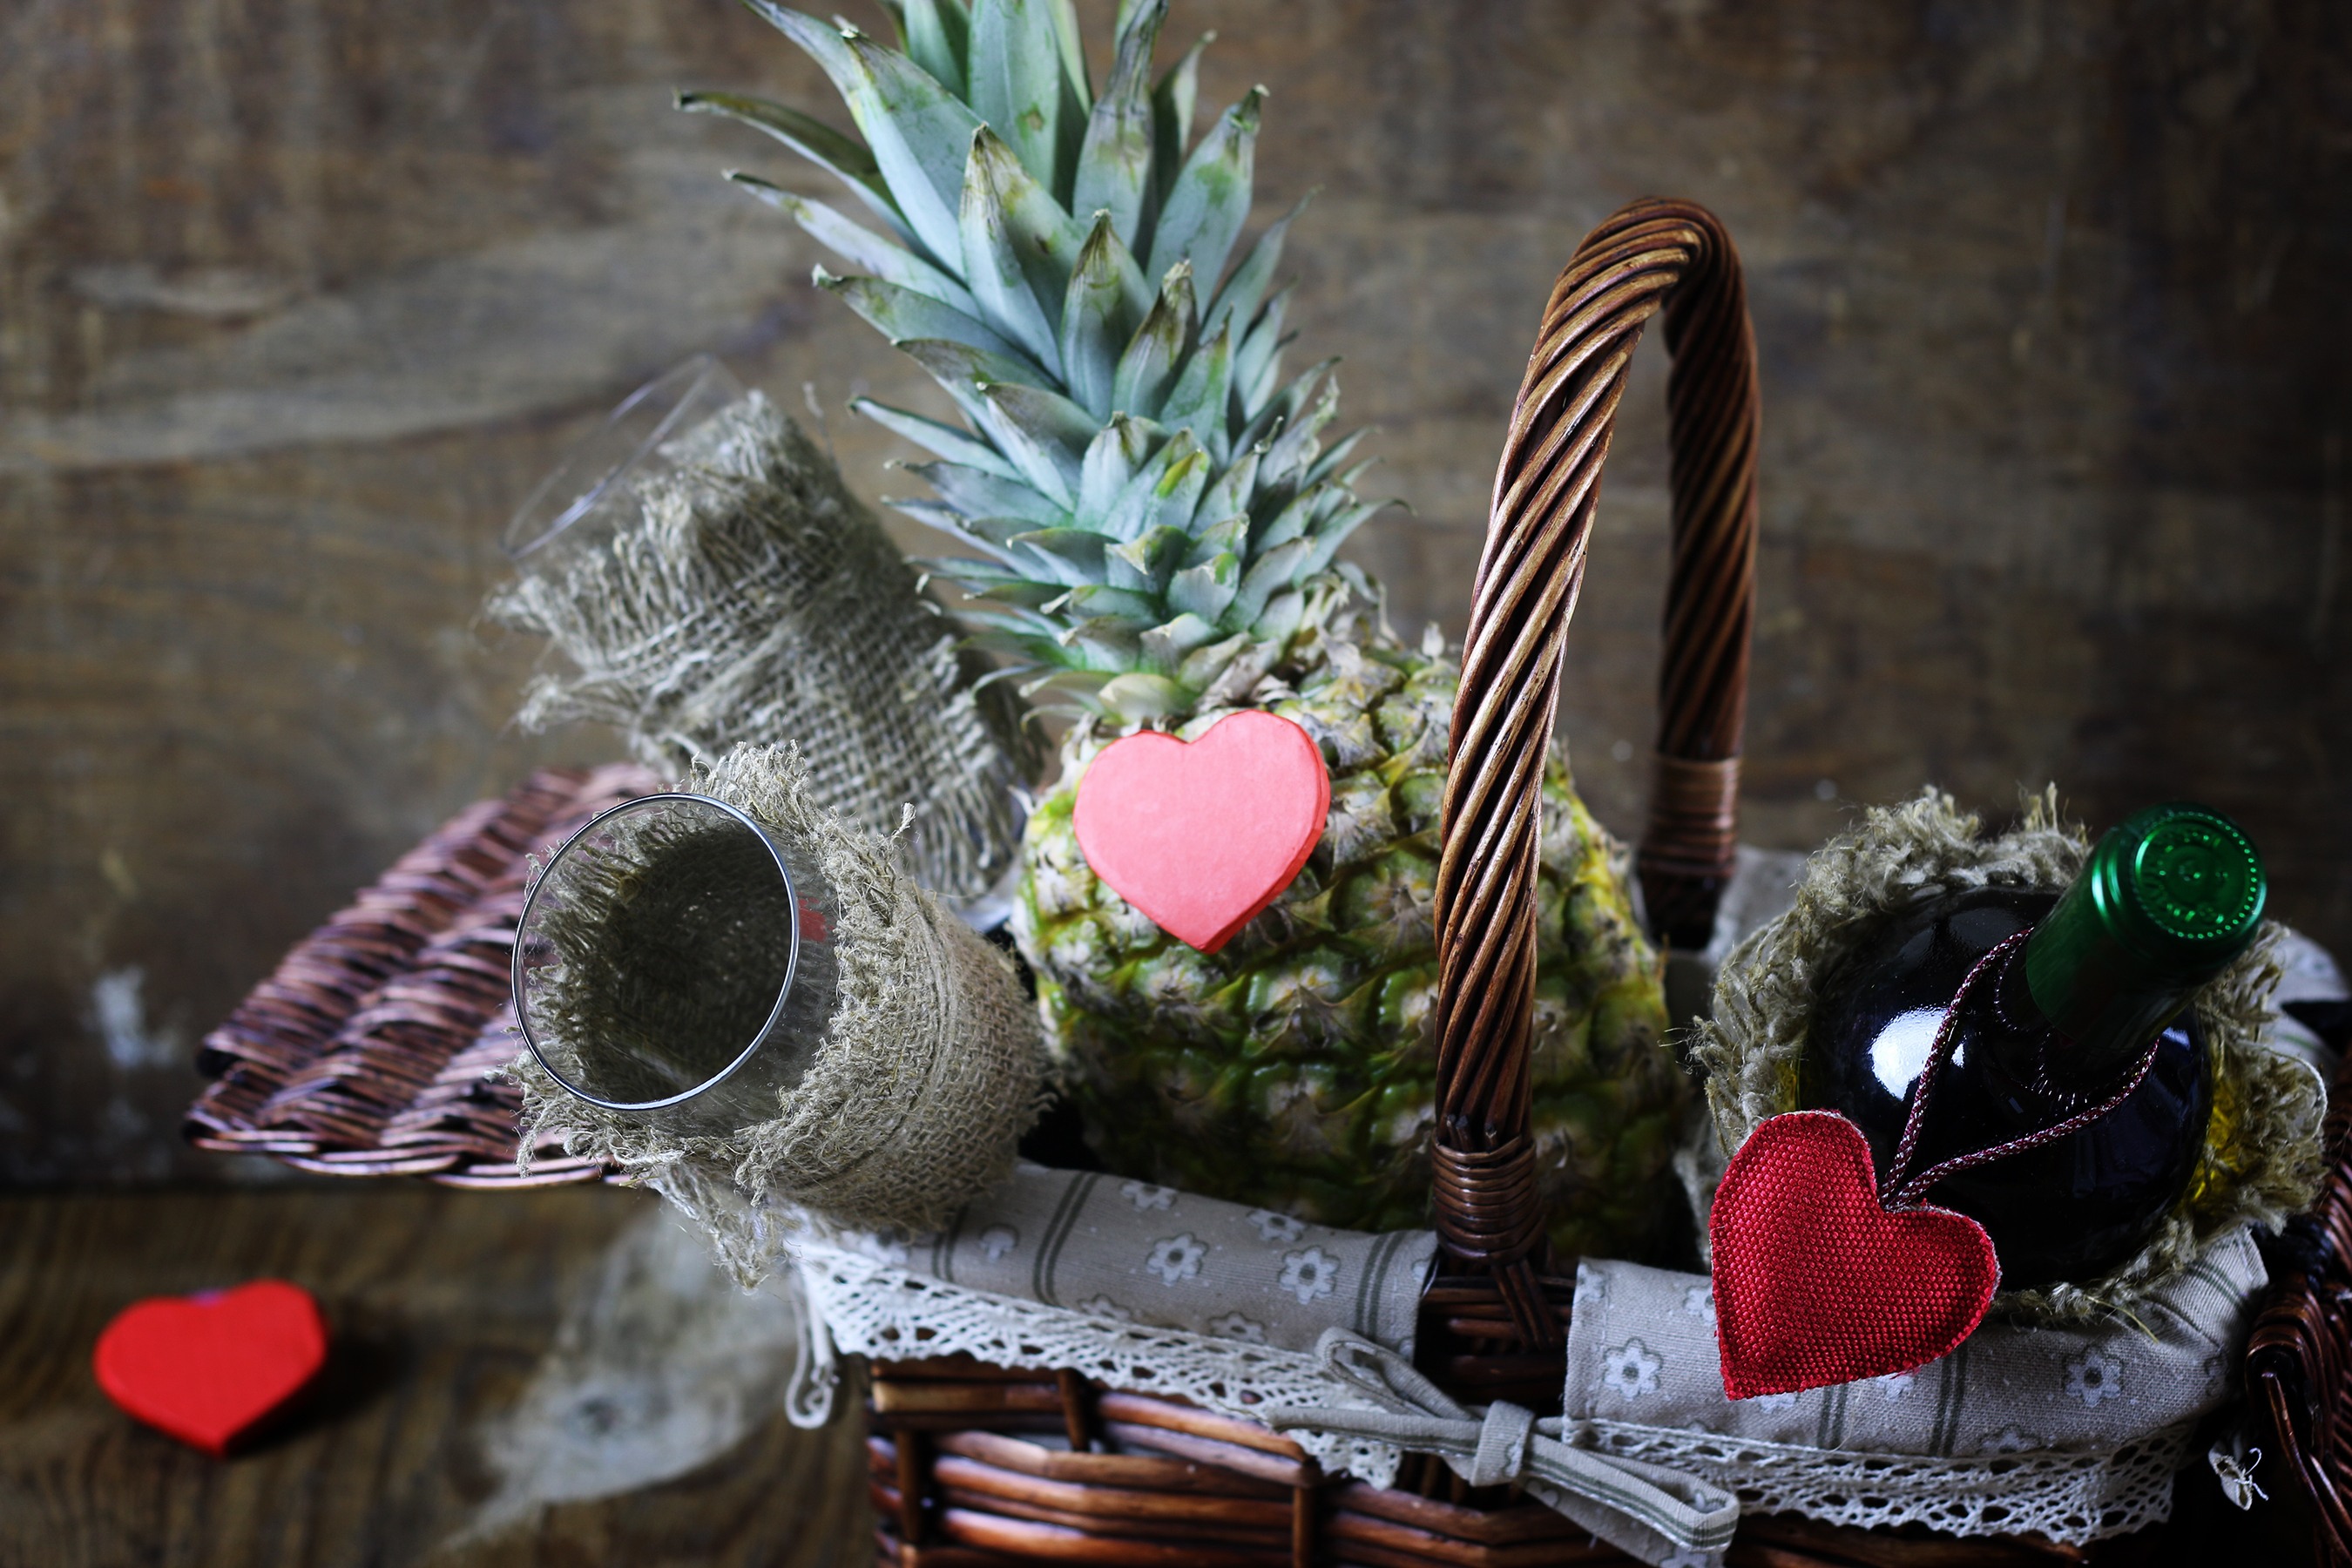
<point>932,1069</point>
<point>753,599</point>
<point>2262,1160</point>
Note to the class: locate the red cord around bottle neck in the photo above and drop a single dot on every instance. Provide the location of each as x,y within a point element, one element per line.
<point>1900,1190</point>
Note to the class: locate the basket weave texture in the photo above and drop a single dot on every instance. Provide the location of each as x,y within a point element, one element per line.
<point>2299,1356</point>
<point>364,1053</point>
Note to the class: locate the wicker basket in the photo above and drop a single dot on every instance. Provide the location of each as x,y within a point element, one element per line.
<point>2299,1357</point>
<point>364,1053</point>
<point>974,1465</point>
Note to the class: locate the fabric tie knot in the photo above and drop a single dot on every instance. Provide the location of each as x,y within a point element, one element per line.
<point>1657,1514</point>
<point>1502,1450</point>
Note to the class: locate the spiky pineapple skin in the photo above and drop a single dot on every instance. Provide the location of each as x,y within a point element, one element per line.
<point>1293,1068</point>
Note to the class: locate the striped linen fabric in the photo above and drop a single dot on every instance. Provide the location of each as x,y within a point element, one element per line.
<point>1131,1252</point>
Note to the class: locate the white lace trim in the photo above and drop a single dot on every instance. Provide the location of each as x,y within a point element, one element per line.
<point>878,1308</point>
<point>2071,1498</point>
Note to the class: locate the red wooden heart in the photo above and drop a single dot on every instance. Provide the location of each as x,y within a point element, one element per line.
<point>208,1368</point>
<point>1203,836</point>
<point>1815,1283</point>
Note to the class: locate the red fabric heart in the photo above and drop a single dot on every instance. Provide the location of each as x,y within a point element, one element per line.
<point>1815,1283</point>
<point>1203,836</point>
<point>208,1368</point>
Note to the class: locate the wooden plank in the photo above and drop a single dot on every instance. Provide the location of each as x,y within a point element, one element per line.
<point>1142,1410</point>
<point>441,1303</point>
<point>976,1399</point>
<point>1248,1461</point>
<point>1066,1544</point>
<point>1524,1520</point>
<point>1090,1498</point>
<point>1107,1469</point>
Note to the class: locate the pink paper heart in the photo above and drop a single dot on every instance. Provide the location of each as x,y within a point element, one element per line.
<point>1201,838</point>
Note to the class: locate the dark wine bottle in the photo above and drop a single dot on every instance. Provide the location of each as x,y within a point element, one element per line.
<point>2056,1025</point>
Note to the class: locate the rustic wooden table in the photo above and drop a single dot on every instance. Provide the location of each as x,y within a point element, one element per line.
<point>444,1305</point>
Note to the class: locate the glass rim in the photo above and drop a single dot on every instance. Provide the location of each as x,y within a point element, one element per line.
<point>784,992</point>
<point>689,374</point>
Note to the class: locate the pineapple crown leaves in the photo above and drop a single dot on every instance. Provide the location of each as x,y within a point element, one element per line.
<point>1152,511</point>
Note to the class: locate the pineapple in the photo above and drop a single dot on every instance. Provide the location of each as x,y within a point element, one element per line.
<point>1151,519</point>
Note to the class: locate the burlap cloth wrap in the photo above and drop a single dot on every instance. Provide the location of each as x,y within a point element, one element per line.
<point>2262,1158</point>
<point>754,599</point>
<point>930,1072</point>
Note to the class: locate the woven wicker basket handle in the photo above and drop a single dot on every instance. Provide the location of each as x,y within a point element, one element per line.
<point>1650,256</point>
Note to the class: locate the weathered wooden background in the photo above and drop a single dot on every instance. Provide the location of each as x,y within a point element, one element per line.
<point>297,297</point>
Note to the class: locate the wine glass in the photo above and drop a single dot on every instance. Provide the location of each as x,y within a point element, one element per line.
<point>675,960</point>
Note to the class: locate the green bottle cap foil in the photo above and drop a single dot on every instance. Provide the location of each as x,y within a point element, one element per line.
<point>2169,898</point>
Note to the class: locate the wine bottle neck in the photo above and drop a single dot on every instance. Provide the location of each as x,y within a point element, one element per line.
<point>2166,902</point>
